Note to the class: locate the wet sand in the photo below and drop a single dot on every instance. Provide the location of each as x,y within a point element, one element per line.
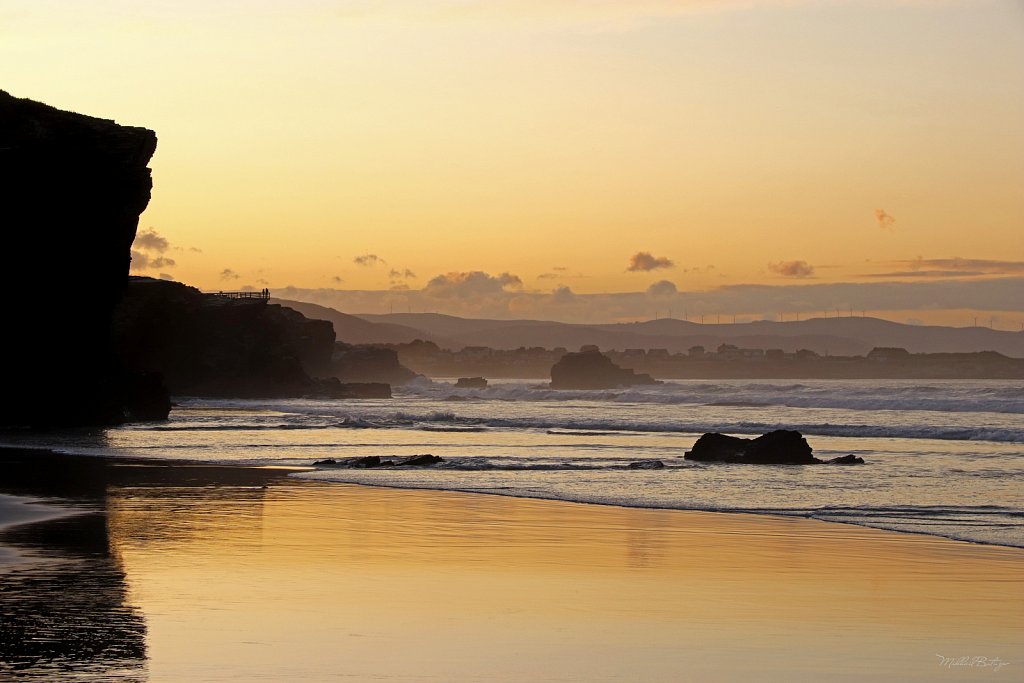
<point>218,574</point>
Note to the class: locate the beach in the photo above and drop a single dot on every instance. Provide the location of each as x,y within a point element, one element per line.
<point>169,572</point>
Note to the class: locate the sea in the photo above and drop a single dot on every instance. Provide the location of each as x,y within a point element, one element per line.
<point>943,457</point>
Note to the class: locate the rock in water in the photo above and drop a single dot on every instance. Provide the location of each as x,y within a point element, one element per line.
<point>591,369</point>
<point>646,465</point>
<point>780,447</point>
<point>846,460</point>
<point>420,460</point>
<point>471,383</point>
<point>71,191</point>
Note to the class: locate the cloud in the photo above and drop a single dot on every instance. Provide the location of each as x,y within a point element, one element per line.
<point>559,268</point>
<point>147,245</point>
<point>480,295</point>
<point>405,274</point>
<point>228,274</point>
<point>796,269</point>
<point>662,288</point>
<point>368,260</point>
<point>951,267</point>
<point>472,283</point>
<point>643,261</point>
<point>141,261</point>
<point>195,250</point>
<point>337,279</point>
<point>150,240</point>
<point>548,276</point>
<point>563,295</point>
<point>166,276</point>
<point>885,221</point>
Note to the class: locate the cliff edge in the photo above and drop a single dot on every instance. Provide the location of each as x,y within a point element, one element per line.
<point>72,188</point>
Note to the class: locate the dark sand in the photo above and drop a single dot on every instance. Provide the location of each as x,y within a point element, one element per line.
<point>194,573</point>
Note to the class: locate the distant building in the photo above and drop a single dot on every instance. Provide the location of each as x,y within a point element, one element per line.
<point>657,354</point>
<point>587,348</point>
<point>696,352</point>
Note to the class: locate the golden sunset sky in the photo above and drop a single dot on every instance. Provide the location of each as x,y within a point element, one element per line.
<point>582,148</point>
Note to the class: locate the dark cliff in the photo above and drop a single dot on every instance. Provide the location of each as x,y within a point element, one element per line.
<point>207,345</point>
<point>71,191</point>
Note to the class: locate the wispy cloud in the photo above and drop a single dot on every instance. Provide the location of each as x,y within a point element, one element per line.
<point>143,261</point>
<point>147,251</point>
<point>368,260</point>
<point>150,239</point>
<point>794,269</point>
<point>228,274</point>
<point>884,219</point>
<point>922,268</point>
<point>644,261</point>
<point>478,294</point>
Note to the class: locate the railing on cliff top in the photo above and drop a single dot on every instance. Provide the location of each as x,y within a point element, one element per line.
<point>262,295</point>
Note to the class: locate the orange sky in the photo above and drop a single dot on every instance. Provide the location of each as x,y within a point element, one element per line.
<point>759,142</point>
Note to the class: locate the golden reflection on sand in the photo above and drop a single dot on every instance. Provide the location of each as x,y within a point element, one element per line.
<point>333,582</point>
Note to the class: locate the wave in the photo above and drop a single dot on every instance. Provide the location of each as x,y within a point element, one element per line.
<point>936,397</point>
<point>493,465</point>
<point>574,425</point>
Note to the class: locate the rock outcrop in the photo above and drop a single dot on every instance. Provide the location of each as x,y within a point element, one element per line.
<point>368,363</point>
<point>375,461</point>
<point>779,447</point>
<point>471,383</point>
<point>207,345</point>
<point>71,191</point>
<point>591,369</point>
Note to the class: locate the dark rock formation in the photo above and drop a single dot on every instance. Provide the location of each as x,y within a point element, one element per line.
<point>367,363</point>
<point>471,383</point>
<point>71,191</point>
<point>646,465</point>
<point>591,369</point>
<point>374,461</point>
<point>206,345</point>
<point>420,460</point>
<point>780,447</point>
<point>846,460</point>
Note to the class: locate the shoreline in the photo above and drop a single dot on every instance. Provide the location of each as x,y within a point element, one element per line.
<point>210,573</point>
<point>234,471</point>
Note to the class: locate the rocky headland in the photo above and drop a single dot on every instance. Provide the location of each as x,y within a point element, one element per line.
<point>72,188</point>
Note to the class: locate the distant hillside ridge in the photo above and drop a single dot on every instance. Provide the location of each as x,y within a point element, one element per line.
<point>354,330</point>
<point>834,336</point>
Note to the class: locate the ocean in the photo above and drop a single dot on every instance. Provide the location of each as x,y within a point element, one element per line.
<point>943,457</point>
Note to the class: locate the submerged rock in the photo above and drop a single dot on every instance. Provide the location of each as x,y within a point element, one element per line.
<point>591,369</point>
<point>471,383</point>
<point>646,465</point>
<point>846,460</point>
<point>375,461</point>
<point>420,461</point>
<point>780,447</point>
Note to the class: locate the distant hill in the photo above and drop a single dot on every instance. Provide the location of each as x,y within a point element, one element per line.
<point>835,336</point>
<point>354,330</point>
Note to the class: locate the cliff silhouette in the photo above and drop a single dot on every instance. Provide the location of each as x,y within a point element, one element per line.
<point>72,188</point>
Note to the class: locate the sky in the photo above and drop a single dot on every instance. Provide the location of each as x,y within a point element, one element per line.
<point>581,160</point>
